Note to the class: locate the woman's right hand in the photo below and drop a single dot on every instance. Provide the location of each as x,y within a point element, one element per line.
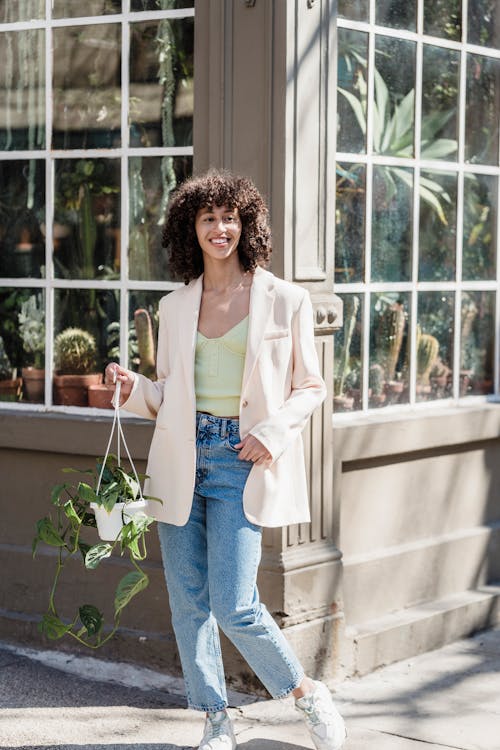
<point>114,372</point>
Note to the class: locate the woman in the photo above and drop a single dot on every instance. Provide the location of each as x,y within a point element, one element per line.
<point>238,377</point>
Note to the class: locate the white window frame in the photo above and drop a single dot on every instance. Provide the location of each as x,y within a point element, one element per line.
<point>459,167</point>
<point>50,283</point>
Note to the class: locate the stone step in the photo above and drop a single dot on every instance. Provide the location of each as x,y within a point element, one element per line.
<point>392,579</point>
<point>422,628</point>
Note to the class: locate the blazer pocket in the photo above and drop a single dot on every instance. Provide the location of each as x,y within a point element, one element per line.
<point>278,334</point>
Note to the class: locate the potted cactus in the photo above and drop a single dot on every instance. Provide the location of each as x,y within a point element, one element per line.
<point>10,385</point>
<point>427,356</point>
<point>75,355</point>
<point>376,379</point>
<point>32,331</point>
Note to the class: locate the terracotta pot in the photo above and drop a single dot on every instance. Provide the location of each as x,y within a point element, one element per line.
<point>100,396</point>
<point>377,399</point>
<point>343,403</point>
<point>34,384</point>
<point>71,390</point>
<point>10,390</point>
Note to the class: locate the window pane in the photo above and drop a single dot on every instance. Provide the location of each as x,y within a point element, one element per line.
<point>87,218</point>
<point>160,4</point>
<point>21,11</point>
<point>347,357</point>
<point>350,223</point>
<point>435,345</point>
<point>438,226</point>
<point>356,10</point>
<point>22,345</point>
<point>477,339</point>
<point>351,99</point>
<point>391,223</point>
<point>75,8</point>
<point>400,14</point>
<point>83,325</point>
<point>480,222</point>
<point>484,23</point>
<point>394,106</point>
<point>151,181</point>
<point>143,331</point>
<point>443,18</point>
<point>483,98</point>
<point>388,375</point>
<point>440,83</point>
<point>22,218</point>
<point>87,81</point>
<point>161,83</point>
<point>22,90</point>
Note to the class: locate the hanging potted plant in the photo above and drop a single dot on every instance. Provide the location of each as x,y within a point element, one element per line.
<point>115,504</point>
<point>10,385</point>
<point>32,332</point>
<point>75,354</point>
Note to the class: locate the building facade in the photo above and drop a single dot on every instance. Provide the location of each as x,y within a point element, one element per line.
<point>373,129</point>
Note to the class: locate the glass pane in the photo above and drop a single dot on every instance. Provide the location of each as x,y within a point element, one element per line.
<point>435,345</point>
<point>151,181</point>
<point>143,331</point>
<point>350,223</point>
<point>388,374</point>
<point>477,341</point>
<point>443,18</point>
<point>391,223</point>
<point>22,90</point>
<point>437,226</point>
<point>356,10</point>
<point>400,14</point>
<point>87,81</point>
<point>394,106</point>
<point>161,83</point>
<point>87,218</point>
<point>484,23</point>
<point>440,83</point>
<point>160,4</point>
<point>75,8</point>
<point>22,218</point>
<point>22,345</point>
<point>28,10</point>
<point>483,97</point>
<point>84,321</point>
<point>480,222</point>
<point>351,99</point>
<point>347,358</point>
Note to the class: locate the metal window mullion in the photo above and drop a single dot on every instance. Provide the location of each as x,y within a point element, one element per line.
<point>49,210</point>
<point>125,202</point>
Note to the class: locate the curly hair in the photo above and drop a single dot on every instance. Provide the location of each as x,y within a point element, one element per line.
<point>215,188</point>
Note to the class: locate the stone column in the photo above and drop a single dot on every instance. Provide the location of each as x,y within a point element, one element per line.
<point>265,106</point>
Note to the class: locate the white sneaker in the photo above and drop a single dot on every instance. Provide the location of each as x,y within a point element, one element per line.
<point>325,724</point>
<point>218,734</point>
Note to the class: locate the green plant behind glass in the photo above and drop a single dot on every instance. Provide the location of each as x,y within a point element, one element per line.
<point>32,329</point>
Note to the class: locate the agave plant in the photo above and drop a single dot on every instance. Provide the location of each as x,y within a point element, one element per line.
<point>393,136</point>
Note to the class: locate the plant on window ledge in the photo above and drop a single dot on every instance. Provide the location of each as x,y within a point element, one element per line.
<point>32,332</point>
<point>75,354</point>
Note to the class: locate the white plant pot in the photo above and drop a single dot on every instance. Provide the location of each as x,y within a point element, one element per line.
<point>110,524</point>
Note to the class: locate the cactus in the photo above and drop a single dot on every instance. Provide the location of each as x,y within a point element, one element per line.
<point>390,336</point>
<point>427,355</point>
<point>351,306</point>
<point>376,379</point>
<point>75,352</point>
<point>32,329</point>
<point>145,343</point>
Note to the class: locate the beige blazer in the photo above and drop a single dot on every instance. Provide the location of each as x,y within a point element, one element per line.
<point>281,387</point>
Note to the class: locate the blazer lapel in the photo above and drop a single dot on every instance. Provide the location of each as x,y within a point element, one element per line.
<point>261,304</point>
<point>188,325</point>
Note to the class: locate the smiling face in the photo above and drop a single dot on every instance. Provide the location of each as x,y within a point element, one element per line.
<point>218,229</point>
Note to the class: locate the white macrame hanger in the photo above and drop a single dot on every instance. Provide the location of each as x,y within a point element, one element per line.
<point>119,435</point>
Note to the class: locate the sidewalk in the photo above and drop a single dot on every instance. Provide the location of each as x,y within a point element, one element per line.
<point>444,700</point>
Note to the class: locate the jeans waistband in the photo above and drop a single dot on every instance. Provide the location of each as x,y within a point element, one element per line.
<point>221,426</point>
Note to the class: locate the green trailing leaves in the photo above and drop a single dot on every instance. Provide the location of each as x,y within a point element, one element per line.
<point>46,532</point>
<point>97,553</point>
<point>52,627</point>
<point>129,586</point>
<point>92,620</point>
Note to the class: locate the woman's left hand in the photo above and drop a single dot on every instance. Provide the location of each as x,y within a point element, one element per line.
<point>253,450</point>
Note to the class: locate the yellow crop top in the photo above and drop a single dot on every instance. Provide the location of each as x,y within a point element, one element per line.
<point>218,371</point>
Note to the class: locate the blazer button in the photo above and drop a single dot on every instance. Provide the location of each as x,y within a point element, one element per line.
<point>244,402</point>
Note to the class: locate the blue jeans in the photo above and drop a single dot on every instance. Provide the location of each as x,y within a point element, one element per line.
<point>211,568</point>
